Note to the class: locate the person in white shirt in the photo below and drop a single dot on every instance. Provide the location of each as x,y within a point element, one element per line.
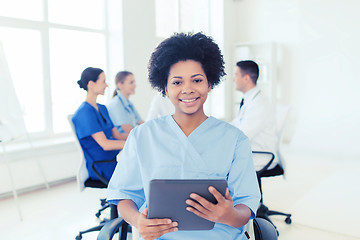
<point>256,116</point>
<point>160,106</point>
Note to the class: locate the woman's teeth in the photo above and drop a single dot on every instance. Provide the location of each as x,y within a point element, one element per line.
<point>188,100</point>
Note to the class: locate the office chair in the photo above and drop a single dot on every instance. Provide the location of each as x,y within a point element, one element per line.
<point>84,181</point>
<point>263,211</point>
<point>263,230</point>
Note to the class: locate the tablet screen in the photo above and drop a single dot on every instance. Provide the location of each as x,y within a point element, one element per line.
<point>167,200</point>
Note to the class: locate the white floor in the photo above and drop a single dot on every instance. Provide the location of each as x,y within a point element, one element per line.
<point>322,194</point>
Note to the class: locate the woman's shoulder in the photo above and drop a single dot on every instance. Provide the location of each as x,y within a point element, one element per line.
<point>151,125</point>
<point>115,104</point>
<point>227,128</point>
<point>84,110</point>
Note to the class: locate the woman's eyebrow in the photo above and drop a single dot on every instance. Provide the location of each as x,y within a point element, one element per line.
<point>176,77</point>
<point>199,74</point>
<point>192,76</point>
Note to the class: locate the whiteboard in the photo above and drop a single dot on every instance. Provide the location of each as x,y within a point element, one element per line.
<point>12,123</point>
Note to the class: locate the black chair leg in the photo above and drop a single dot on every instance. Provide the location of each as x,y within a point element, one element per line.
<point>102,209</point>
<point>264,212</point>
<point>93,229</point>
<point>124,230</point>
<point>288,216</point>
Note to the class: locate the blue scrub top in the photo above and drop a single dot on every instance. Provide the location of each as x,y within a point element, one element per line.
<point>159,149</point>
<point>87,121</point>
<point>122,111</point>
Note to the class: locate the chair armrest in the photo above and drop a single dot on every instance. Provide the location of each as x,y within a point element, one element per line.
<point>110,228</point>
<point>268,164</point>
<point>102,179</point>
<point>264,230</point>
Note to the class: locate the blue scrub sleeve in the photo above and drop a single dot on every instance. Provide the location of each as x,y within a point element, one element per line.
<point>126,181</point>
<point>86,124</point>
<point>242,181</point>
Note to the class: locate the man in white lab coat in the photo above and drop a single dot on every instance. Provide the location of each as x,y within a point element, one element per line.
<point>256,117</point>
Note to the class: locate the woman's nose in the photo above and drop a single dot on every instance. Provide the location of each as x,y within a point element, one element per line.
<point>187,88</point>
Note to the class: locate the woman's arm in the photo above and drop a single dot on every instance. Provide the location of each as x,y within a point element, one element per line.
<point>118,135</point>
<point>127,128</point>
<point>108,144</point>
<point>149,229</point>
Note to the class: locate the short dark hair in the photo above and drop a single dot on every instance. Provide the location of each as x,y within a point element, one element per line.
<point>89,74</point>
<point>250,68</point>
<point>182,47</point>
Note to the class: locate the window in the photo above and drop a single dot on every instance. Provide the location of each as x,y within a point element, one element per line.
<point>82,13</point>
<point>195,16</point>
<point>47,44</point>
<point>65,73</point>
<point>22,48</point>
<point>30,10</point>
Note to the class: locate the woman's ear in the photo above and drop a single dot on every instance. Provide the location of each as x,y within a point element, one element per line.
<point>166,92</point>
<point>90,84</point>
<point>209,87</point>
<point>118,85</point>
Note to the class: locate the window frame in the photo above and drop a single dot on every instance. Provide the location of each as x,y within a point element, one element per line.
<point>44,26</point>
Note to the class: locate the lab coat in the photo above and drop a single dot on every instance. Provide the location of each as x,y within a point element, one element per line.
<point>256,119</point>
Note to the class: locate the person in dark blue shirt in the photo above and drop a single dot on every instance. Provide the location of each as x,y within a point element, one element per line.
<point>98,137</point>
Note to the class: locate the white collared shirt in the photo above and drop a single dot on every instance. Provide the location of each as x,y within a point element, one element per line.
<point>257,120</point>
<point>160,106</point>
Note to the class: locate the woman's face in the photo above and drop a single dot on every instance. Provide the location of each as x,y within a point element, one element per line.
<point>100,85</point>
<point>187,87</point>
<point>127,88</point>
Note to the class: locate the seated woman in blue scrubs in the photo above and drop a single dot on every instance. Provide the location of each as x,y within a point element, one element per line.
<point>187,145</point>
<point>98,137</point>
<point>122,111</point>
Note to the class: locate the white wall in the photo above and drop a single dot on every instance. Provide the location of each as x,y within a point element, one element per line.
<point>319,66</point>
<point>139,37</point>
<point>56,162</point>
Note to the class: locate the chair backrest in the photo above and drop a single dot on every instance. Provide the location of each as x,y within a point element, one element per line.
<point>264,230</point>
<point>282,114</point>
<point>82,174</point>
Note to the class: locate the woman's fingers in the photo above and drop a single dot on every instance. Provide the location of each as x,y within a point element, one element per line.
<point>197,206</point>
<point>205,209</point>
<point>200,214</point>
<point>218,196</point>
<point>160,228</point>
<point>200,200</point>
<point>154,228</point>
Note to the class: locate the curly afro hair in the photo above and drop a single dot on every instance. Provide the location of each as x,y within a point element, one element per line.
<point>182,47</point>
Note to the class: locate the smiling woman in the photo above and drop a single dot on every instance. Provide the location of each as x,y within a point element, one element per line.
<point>187,88</point>
<point>187,145</point>
<point>97,135</point>
<point>122,111</point>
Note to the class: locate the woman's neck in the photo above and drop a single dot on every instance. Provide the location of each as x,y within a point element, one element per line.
<point>188,123</point>
<point>125,95</point>
<point>91,99</point>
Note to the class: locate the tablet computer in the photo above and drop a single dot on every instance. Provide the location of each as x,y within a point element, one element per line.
<point>167,200</point>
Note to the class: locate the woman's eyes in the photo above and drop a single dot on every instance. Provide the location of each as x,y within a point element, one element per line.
<point>179,82</point>
<point>176,82</point>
